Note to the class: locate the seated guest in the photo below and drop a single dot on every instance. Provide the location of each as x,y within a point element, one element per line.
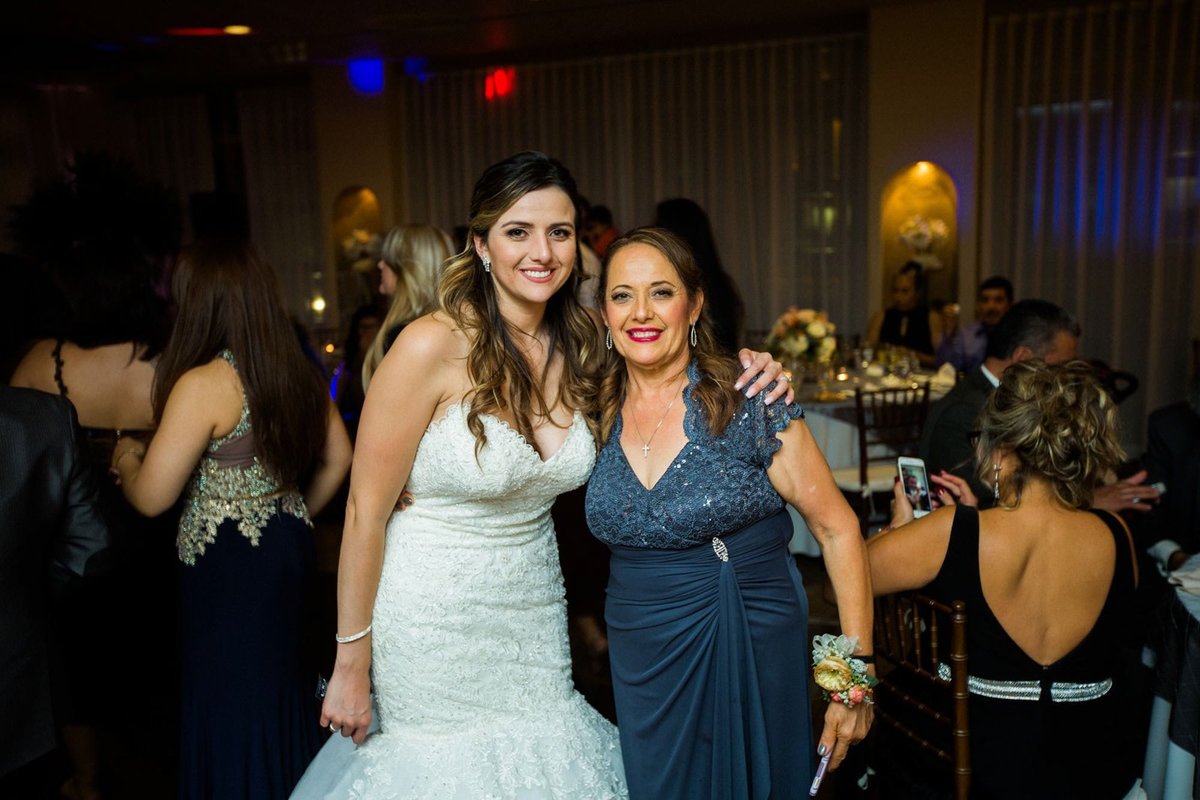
<point>1171,529</point>
<point>965,347</point>
<point>50,529</point>
<point>1030,329</point>
<point>907,322</point>
<point>1048,586</point>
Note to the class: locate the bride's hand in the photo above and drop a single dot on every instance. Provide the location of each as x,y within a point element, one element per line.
<point>347,706</point>
<point>755,363</point>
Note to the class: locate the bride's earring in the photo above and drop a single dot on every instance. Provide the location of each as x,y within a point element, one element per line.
<point>995,481</point>
<point>608,338</point>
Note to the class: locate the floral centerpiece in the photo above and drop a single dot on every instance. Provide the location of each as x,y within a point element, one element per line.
<point>802,334</point>
<point>921,236</point>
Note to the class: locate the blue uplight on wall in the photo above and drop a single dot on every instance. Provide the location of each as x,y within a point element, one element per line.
<point>366,75</point>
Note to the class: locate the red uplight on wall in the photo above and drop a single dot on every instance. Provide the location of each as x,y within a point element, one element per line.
<point>499,83</point>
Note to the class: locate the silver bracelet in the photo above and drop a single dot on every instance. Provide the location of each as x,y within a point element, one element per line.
<point>354,637</point>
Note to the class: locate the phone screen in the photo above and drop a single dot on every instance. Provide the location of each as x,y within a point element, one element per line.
<point>916,487</point>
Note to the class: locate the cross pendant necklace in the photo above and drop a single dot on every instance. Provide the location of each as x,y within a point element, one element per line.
<point>646,442</point>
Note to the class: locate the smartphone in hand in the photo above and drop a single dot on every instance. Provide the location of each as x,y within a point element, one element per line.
<point>915,481</point>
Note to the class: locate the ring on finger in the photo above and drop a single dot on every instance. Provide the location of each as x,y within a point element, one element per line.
<point>333,727</point>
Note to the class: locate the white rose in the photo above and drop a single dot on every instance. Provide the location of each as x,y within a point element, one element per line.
<point>797,346</point>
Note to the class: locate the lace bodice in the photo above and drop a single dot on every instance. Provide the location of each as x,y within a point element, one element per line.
<point>470,662</point>
<point>230,483</point>
<point>715,485</point>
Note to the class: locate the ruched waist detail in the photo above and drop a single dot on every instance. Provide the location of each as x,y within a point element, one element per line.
<point>708,646</point>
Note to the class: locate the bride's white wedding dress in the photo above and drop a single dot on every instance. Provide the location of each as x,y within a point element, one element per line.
<point>470,663</point>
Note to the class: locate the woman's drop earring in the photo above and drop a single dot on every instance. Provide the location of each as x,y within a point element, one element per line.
<point>692,335</point>
<point>608,338</point>
<point>487,264</point>
<point>995,481</point>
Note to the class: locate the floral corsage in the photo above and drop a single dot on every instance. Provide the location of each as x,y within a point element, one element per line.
<point>842,677</point>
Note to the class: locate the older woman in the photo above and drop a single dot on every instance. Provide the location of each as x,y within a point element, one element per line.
<point>1047,585</point>
<point>706,612</point>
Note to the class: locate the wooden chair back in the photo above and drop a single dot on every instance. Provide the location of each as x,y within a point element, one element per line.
<point>889,425</point>
<point>921,699</point>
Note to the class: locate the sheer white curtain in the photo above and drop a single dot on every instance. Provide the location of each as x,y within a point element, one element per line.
<point>770,139</point>
<point>1092,180</point>
<point>279,154</point>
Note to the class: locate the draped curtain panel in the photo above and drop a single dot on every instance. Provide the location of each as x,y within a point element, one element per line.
<point>770,139</point>
<point>172,143</point>
<point>1092,180</point>
<point>279,153</point>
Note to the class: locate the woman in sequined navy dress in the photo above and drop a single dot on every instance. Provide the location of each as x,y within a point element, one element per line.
<point>246,429</point>
<point>707,617</point>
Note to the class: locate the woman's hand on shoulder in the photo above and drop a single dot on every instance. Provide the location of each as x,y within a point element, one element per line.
<point>767,369</point>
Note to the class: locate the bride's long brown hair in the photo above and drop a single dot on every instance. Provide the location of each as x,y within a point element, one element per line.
<point>501,377</point>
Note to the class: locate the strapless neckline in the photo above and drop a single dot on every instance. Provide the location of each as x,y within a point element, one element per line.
<point>459,411</point>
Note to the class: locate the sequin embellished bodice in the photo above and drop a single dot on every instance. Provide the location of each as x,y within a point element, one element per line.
<point>470,663</point>
<point>230,483</point>
<point>715,485</point>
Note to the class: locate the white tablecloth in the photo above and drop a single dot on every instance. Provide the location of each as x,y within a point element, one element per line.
<point>838,440</point>
<point>1169,771</point>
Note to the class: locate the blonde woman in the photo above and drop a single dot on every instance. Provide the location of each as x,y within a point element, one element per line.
<point>1048,585</point>
<point>409,269</point>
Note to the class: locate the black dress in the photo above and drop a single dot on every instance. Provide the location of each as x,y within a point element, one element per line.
<point>908,329</point>
<point>1043,747</point>
<point>137,582</point>
<point>249,716</point>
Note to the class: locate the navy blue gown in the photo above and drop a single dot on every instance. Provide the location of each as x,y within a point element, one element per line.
<point>248,711</point>
<point>707,616</point>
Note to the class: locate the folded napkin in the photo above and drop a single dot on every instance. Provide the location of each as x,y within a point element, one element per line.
<point>946,376</point>
<point>1187,577</point>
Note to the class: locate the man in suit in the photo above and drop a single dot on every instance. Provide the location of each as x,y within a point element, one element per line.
<point>966,346</point>
<point>50,532</point>
<point>1030,329</point>
<point>1171,531</point>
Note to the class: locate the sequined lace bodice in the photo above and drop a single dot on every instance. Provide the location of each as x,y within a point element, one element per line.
<point>230,483</point>
<point>715,485</point>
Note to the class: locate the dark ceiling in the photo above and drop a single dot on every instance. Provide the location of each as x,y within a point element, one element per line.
<point>126,43</point>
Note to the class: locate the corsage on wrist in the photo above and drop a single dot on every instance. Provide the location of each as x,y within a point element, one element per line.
<point>842,677</point>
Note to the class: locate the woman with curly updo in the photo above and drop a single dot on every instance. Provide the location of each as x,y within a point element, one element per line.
<point>1047,584</point>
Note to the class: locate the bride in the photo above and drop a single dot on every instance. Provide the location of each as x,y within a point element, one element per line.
<point>453,611</point>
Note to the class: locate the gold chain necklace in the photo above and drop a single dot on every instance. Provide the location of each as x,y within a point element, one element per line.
<point>646,442</point>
